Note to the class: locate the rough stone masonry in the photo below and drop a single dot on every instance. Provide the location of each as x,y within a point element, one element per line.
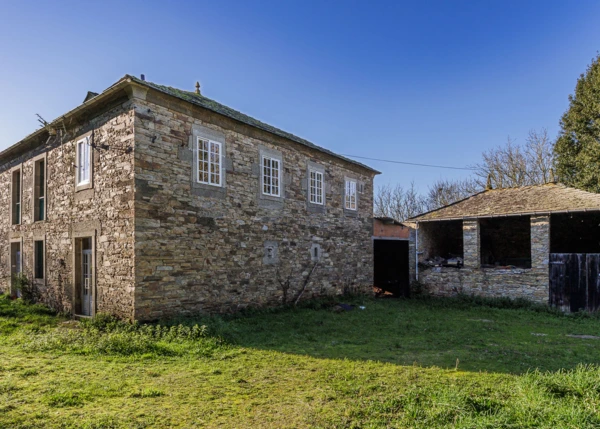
<point>164,244</point>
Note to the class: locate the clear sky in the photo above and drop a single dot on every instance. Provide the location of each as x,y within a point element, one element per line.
<point>422,81</point>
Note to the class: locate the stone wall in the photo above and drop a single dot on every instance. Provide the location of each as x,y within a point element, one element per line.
<point>488,282</point>
<point>104,211</point>
<point>531,283</point>
<point>221,249</point>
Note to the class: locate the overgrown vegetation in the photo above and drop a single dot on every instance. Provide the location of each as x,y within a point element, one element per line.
<point>424,363</point>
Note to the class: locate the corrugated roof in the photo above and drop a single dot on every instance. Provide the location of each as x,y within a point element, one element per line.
<point>527,200</point>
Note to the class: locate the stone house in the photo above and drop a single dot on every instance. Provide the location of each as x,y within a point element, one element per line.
<point>526,242</point>
<point>146,202</point>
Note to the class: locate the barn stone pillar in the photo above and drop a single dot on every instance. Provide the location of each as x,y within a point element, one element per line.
<point>412,257</point>
<point>540,242</point>
<point>471,243</point>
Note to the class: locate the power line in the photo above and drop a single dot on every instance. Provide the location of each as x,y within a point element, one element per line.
<point>411,163</point>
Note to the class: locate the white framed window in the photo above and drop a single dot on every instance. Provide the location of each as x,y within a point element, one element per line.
<point>271,176</point>
<point>209,167</point>
<point>350,195</point>
<point>84,161</point>
<point>315,187</point>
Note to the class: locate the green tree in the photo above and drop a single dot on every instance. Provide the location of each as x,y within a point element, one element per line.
<point>577,149</point>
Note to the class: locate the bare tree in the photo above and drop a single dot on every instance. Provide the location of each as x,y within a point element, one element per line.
<point>444,192</point>
<point>513,165</point>
<point>398,202</point>
<point>540,156</point>
<point>506,166</point>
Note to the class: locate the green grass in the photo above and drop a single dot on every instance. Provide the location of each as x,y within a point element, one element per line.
<point>460,363</point>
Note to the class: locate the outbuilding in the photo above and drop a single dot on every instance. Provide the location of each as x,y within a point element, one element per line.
<point>538,242</point>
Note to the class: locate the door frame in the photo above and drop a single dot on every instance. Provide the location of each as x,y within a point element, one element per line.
<point>77,236</point>
<point>12,241</point>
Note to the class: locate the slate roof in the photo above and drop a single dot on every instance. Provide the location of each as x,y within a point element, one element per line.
<point>92,100</point>
<point>527,200</point>
<point>217,107</point>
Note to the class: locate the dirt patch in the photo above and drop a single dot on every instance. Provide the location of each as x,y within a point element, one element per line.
<point>585,337</point>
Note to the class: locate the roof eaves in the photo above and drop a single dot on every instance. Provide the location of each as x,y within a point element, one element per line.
<point>526,213</point>
<point>120,84</point>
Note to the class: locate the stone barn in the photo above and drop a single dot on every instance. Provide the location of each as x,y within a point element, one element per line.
<point>540,242</point>
<point>146,201</point>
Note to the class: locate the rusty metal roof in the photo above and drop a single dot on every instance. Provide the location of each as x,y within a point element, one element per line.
<point>527,200</point>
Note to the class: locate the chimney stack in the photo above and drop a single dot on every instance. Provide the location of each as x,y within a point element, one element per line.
<point>488,186</point>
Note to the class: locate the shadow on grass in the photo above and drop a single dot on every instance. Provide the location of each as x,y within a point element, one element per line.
<point>471,334</point>
<point>445,333</point>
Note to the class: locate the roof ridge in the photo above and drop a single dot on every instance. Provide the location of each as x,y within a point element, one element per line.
<point>523,200</point>
<point>220,108</point>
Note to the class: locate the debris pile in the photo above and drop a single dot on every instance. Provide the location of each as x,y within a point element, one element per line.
<point>438,261</point>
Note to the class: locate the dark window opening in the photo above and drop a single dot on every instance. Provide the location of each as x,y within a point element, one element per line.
<point>39,260</point>
<point>16,197</point>
<point>505,242</point>
<point>575,233</point>
<point>39,190</point>
<point>441,243</point>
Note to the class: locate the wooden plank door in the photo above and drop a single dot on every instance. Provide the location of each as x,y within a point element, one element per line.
<point>559,294</point>
<point>593,281</point>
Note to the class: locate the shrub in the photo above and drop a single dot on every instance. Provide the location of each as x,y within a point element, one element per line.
<point>24,287</point>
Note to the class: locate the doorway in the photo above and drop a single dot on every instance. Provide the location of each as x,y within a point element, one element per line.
<point>84,277</point>
<point>391,267</point>
<point>16,266</point>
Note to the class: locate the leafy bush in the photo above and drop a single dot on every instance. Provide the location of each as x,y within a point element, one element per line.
<point>24,286</point>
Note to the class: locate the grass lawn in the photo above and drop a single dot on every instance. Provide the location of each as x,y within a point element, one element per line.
<point>398,363</point>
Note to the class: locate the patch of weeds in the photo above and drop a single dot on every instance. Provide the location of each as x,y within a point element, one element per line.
<point>106,335</point>
<point>148,393</point>
<point>29,373</point>
<point>64,399</point>
<point>8,386</point>
<point>483,405</point>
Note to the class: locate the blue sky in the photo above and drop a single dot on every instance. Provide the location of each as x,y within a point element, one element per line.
<point>429,81</point>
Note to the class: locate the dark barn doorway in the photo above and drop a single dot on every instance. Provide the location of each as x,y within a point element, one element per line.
<point>391,266</point>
